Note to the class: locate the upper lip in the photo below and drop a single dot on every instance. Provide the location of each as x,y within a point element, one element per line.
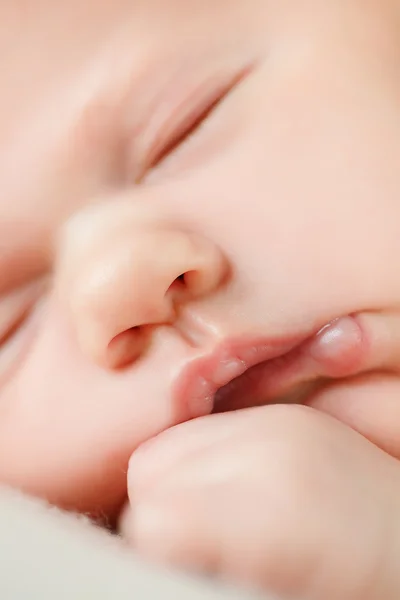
<point>201,379</point>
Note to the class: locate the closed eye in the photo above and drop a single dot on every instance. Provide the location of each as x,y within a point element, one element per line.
<point>185,120</point>
<point>13,308</point>
<point>15,311</point>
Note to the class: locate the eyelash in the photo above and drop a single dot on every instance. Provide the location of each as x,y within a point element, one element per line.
<point>16,310</point>
<point>13,327</point>
<point>179,134</point>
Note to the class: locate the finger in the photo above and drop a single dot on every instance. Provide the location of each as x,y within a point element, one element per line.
<point>370,404</point>
<point>378,347</point>
<point>296,504</point>
<point>155,458</point>
<point>348,346</point>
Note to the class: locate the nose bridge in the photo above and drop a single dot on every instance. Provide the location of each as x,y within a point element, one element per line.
<point>126,271</point>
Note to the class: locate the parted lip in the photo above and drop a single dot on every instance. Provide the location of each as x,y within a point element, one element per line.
<point>201,379</point>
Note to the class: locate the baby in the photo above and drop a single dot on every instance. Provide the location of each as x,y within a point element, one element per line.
<point>200,213</point>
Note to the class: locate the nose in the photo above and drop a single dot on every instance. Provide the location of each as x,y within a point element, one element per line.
<point>121,277</point>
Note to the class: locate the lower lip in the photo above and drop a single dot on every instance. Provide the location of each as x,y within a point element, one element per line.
<point>239,375</point>
<point>197,387</point>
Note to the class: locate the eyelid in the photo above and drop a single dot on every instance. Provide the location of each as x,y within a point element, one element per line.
<point>182,110</point>
<point>24,255</point>
<point>15,306</point>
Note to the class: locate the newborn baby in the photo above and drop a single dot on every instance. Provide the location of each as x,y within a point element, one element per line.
<point>200,213</point>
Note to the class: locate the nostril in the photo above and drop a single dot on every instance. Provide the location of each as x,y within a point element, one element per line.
<point>193,283</point>
<point>179,283</point>
<point>126,348</point>
<point>199,282</point>
<point>186,287</point>
<point>178,287</point>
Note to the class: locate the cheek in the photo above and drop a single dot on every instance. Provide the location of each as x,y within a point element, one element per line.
<point>297,258</point>
<point>316,183</point>
<point>325,266</point>
<point>306,206</point>
<point>68,428</point>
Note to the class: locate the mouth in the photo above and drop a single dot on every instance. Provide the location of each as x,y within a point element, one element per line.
<point>245,373</point>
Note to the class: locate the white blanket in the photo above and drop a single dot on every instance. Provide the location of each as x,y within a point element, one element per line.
<point>49,555</point>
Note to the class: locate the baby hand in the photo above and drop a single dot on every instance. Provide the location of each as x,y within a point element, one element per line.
<point>279,497</point>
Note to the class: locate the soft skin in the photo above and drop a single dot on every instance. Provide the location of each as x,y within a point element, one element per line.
<point>280,210</point>
<point>284,498</point>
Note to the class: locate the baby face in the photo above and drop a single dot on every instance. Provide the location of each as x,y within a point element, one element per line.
<point>187,189</point>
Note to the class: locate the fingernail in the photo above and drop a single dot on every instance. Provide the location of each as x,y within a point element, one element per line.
<point>338,347</point>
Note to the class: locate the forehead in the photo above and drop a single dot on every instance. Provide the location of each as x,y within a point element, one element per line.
<point>45,44</point>
<point>52,83</point>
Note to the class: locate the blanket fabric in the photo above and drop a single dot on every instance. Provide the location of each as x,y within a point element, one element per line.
<point>46,554</point>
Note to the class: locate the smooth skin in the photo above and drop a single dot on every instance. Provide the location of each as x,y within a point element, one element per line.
<point>253,148</point>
